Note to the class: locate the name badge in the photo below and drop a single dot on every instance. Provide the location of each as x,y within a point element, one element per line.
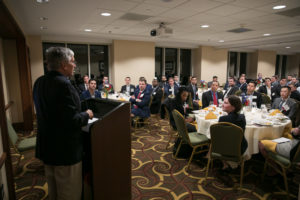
<point>141,95</point>
<point>273,94</point>
<point>154,93</point>
<point>254,97</point>
<point>170,90</point>
<point>286,107</point>
<point>131,90</point>
<point>220,100</point>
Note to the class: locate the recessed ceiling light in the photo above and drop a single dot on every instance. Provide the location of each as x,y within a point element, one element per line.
<point>287,47</point>
<point>279,7</point>
<point>221,41</point>
<point>43,18</point>
<point>266,34</point>
<point>204,26</point>
<point>43,27</point>
<point>42,1</point>
<point>87,30</point>
<point>105,14</point>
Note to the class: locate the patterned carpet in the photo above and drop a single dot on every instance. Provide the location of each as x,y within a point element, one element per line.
<point>157,175</point>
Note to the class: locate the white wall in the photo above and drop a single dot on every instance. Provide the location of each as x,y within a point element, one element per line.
<point>133,59</point>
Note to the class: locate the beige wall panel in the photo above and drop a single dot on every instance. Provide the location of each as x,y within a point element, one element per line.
<point>266,63</point>
<point>134,59</point>
<point>251,68</point>
<point>293,64</point>
<point>12,79</point>
<point>213,62</point>
<point>36,57</point>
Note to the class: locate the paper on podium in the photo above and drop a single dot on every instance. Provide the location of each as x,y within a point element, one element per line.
<point>281,140</point>
<point>92,120</point>
<point>87,127</point>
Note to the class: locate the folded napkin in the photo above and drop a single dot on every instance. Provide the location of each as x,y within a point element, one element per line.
<point>275,112</point>
<point>211,115</point>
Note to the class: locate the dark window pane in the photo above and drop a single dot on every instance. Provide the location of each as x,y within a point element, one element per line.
<point>185,67</point>
<point>283,67</point>
<point>277,64</point>
<point>158,61</point>
<point>243,63</point>
<point>232,64</point>
<point>171,62</point>
<point>47,45</point>
<point>81,58</point>
<point>99,61</point>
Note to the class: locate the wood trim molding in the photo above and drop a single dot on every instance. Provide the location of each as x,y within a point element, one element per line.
<point>2,159</point>
<point>7,106</point>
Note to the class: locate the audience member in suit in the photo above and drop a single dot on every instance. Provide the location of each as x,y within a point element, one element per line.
<point>193,89</point>
<point>274,81</point>
<point>252,95</point>
<point>243,84</point>
<point>148,86</point>
<point>128,88</point>
<point>232,105</point>
<point>106,84</point>
<point>59,117</point>
<point>295,81</point>
<point>268,89</point>
<point>171,89</point>
<point>140,100</point>
<point>215,79</point>
<point>289,79</point>
<point>163,82</point>
<point>212,96</point>
<point>260,78</point>
<point>91,92</point>
<point>157,94</point>
<point>285,104</point>
<point>283,82</point>
<point>85,85</point>
<point>176,80</point>
<point>285,149</point>
<point>294,93</point>
<point>231,89</point>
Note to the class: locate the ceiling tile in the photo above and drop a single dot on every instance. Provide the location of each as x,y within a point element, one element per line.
<point>226,10</point>
<point>148,9</point>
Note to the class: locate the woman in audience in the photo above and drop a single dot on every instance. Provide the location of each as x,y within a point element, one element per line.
<point>232,105</point>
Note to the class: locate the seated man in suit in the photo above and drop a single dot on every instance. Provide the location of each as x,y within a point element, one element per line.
<point>85,85</point>
<point>140,100</point>
<point>212,96</point>
<point>193,89</point>
<point>285,104</point>
<point>106,84</point>
<point>163,82</point>
<point>268,89</point>
<point>157,94</point>
<point>171,89</point>
<point>294,93</point>
<point>253,96</point>
<point>176,80</point>
<point>243,84</point>
<point>128,88</point>
<point>215,79</point>
<point>91,92</point>
<point>231,89</point>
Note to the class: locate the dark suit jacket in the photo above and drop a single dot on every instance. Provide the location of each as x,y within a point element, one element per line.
<point>168,92</point>
<point>295,95</point>
<point>239,120</point>
<point>132,88</point>
<point>263,89</point>
<point>87,95</point>
<point>59,120</point>
<point>291,104</point>
<point>207,97</point>
<point>100,88</point>
<point>243,88</point>
<point>194,95</point>
<point>142,109</point>
<point>82,87</point>
<point>256,97</point>
<point>157,94</point>
<point>232,91</point>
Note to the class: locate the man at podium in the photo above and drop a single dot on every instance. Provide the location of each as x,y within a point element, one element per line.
<point>140,100</point>
<point>59,138</point>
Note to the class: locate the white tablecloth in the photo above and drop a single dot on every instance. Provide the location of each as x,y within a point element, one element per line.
<point>253,133</point>
<point>120,97</point>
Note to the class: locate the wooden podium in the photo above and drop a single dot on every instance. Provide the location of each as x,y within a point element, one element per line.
<point>110,148</point>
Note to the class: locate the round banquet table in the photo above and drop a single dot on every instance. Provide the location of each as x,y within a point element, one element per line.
<point>253,132</point>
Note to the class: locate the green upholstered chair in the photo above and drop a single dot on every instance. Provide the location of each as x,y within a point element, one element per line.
<point>238,93</point>
<point>226,140</point>
<point>139,120</point>
<point>173,132</point>
<point>196,140</point>
<point>284,164</point>
<point>265,99</point>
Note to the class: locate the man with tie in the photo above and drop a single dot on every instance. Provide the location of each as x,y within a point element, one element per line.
<point>85,85</point>
<point>231,89</point>
<point>128,88</point>
<point>157,94</point>
<point>253,96</point>
<point>212,95</point>
<point>171,89</point>
<point>243,84</point>
<point>193,89</point>
<point>285,104</point>
<point>140,100</point>
<point>176,80</point>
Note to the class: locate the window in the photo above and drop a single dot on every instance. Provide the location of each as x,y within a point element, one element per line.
<point>81,58</point>
<point>185,65</point>
<point>280,68</point>
<point>158,61</point>
<point>98,61</point>
<point>170,62</point>
<point>237,64</point>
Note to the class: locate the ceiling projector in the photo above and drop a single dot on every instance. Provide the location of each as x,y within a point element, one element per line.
<point>161,31</point>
